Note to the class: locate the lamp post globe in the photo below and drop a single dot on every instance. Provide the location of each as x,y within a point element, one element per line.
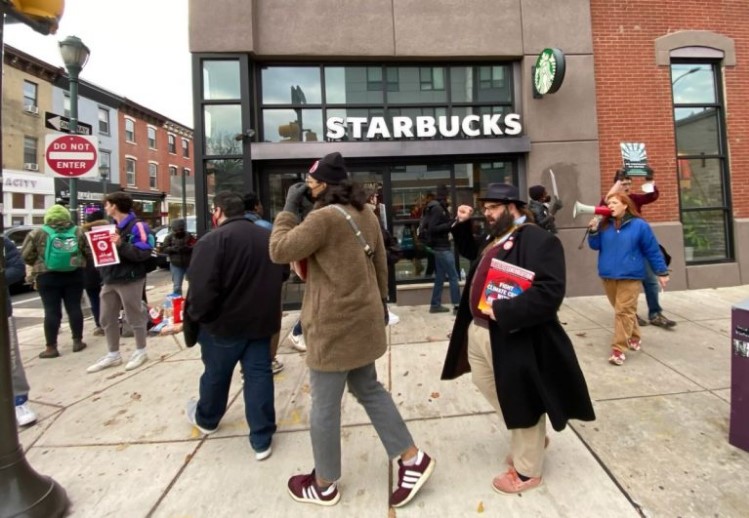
<point>74,54</point>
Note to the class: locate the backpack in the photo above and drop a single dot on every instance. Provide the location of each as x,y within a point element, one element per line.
<point>150,263</point>
<point>62,253</point>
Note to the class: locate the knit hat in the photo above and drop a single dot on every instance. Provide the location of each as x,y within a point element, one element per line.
<point>536,192</point>
<point>330,169</point>
<point>56,213</point>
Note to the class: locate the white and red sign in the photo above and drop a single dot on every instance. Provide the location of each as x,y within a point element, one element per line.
<point>100,242</point>
<point>72,156</point>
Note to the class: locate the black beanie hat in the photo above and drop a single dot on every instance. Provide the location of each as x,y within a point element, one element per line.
<point>330,169</point>
<point>536,192</point>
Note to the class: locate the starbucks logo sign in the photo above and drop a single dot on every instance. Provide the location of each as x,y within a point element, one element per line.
<point>549,71</point>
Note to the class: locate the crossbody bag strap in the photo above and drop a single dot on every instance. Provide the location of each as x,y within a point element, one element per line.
<point>367,249</point>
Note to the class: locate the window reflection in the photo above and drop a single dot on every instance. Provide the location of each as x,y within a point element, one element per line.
<point>353,85</point>
<point>278,82</point>
<point>224,175</point>
<point>693,83</point>
<point>221,80</point>
<point>222,124</point>
<point>697,131</point>
<point>418,85</point>
<point>481,84</point>
<point>293,125</point>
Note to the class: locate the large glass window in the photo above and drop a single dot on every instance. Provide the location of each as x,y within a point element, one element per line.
<point>701,160</point>
<point>221,80</point>
<point>224,175</point>
<point>296,108</point>
<point>222,123</point>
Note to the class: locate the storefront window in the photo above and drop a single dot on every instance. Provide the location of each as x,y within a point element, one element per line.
<point>292,125</point>
<point>481,84</point>
<point>224,175</point>
<point>366,113</point>
<point>353,85</point>
<point>19,200</point>
<point>38,200</point>
<point>221,80</point>
<point>277,83</point>
<point>222,124</point>
<point>418,85</point>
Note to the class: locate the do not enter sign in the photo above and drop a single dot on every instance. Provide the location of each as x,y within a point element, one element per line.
<point>72,156</point>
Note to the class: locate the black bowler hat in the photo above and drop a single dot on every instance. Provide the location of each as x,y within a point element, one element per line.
<point>503,193</point>
<point>330,169</point>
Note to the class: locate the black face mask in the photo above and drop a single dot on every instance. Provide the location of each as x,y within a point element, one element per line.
<point>547,198</point>
<point>502,224</point>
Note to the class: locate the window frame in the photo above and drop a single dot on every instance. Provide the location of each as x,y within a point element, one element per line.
<point>151,136</point>
<point>32,100</point>
<point>105,123</point>
<point>172,144</point>
<point>185,148</point>
<point>130,133</point>
<point>153,176</point>
<point>690,231</point>
<point>28,153</point>
<point>128,173</point>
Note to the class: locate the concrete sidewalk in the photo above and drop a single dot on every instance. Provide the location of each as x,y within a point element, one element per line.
<point>118,441</point>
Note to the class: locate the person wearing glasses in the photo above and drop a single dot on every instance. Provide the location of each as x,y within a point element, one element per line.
<point>235,298</point>
<point>519,356</point>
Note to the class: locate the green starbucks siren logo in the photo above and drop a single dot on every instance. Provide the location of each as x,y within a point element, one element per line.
<point>549,71</point>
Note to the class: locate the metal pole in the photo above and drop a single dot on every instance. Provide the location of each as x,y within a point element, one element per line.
<point>184,195</point>
<point>73,72</point>
<point>23,491</point>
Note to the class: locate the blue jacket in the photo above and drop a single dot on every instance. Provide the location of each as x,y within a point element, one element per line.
<point>134,250</point>
<point>622,253</point>
<point>15,270</point>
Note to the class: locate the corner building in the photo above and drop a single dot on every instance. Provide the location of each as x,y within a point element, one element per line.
<point>416,94</point>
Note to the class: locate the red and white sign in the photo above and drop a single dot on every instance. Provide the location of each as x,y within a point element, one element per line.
<point>100,242</point>
<point>72,156</point>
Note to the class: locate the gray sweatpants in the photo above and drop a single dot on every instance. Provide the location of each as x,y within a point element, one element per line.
<point>127,296</point>
<point>325,416</point>
<point>18,375</point>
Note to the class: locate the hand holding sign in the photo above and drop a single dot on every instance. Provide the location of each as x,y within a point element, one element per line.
<point>102,245</point>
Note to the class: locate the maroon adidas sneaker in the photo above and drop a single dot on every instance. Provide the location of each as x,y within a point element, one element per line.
<point>303,488</point>
<point>411,478</point>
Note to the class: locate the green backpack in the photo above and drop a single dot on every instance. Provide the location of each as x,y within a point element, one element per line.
<point>62,253</point>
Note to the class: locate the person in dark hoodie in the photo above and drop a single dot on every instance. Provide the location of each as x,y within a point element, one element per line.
<point>57,285</point>
<point>178,245</point>
<point>435,233</point>
<point>14,272</point>
<point>91,277</point>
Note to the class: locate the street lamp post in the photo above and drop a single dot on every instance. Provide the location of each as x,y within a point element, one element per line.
<point>184,195</point>
<point>75,55</point>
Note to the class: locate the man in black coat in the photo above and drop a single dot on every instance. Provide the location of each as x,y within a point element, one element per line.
<point>235,297</point>
<point>519,355</point>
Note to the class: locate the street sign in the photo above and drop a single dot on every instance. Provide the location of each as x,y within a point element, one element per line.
<point>62,123</point>
<point>72,156</point>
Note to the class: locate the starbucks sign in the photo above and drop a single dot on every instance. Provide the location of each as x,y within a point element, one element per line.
<point>549,71</point>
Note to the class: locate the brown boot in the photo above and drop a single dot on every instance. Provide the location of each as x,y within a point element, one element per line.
<point>78,345</point>
<point>50,352</point>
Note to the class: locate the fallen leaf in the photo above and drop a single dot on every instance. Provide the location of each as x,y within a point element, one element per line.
<point>480,508</point>
<point>135,396</point>
<point>435,395</point>
<point>581,335</point>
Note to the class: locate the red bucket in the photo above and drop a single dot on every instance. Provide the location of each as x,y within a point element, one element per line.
<point>178,304</point>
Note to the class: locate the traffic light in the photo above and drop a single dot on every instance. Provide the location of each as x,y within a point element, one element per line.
<point>289,132</point>
<point>49,11</point>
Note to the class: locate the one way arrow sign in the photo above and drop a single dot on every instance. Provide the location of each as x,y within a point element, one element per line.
<point>62,123</point>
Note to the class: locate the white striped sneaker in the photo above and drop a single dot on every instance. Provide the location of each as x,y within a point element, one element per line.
<point>411,478</point>
<point>303,488</point>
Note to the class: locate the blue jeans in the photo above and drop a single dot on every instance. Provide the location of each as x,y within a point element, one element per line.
<point>444,266</point>
<point>220,355</point>
<point>94,300</point>
<point>652,288</point>
<point>178,275</point>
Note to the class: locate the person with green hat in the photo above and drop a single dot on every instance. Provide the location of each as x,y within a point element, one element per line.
<point>56,254</point>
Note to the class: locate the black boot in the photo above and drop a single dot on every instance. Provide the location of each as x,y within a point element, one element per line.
<point>78,345</point>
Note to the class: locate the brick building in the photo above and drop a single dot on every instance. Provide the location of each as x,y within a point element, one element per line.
<point>274,93</point>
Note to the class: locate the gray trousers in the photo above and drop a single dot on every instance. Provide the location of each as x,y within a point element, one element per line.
<point>127,296</point>
<point>18,375</point>
<point>325,416</point>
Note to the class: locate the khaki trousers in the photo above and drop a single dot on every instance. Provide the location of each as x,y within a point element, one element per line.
<point>526,444</point>
<point>622,295</point>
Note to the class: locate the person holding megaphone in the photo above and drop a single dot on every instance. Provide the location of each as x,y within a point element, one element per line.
<point>625,244</point>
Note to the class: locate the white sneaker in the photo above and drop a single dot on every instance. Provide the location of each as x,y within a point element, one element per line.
<point>138,358</point>
<point>105,362</point>
<point>393,318</point>
<point>190,409</point>
<point>275,366</point>
<point>24,415</point>
<point>297,342</point>
<point>262,455</point>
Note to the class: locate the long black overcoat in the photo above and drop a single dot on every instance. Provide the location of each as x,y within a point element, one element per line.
<point>535,367</point>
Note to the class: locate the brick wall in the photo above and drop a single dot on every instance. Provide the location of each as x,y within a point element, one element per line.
<point>633,94</point>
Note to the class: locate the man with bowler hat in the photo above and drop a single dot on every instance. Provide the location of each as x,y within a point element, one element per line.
<point>519,355</point>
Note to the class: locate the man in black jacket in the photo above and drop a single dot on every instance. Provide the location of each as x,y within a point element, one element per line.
<point>235,297</point>
<point>520,357</point>
<point>435,233</point>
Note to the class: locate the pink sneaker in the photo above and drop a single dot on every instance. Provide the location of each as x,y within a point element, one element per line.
<point>634,344</point>
<point>617,357</point>
<point>511,483</point>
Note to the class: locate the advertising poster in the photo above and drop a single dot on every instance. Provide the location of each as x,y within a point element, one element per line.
<point>100,241</point>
